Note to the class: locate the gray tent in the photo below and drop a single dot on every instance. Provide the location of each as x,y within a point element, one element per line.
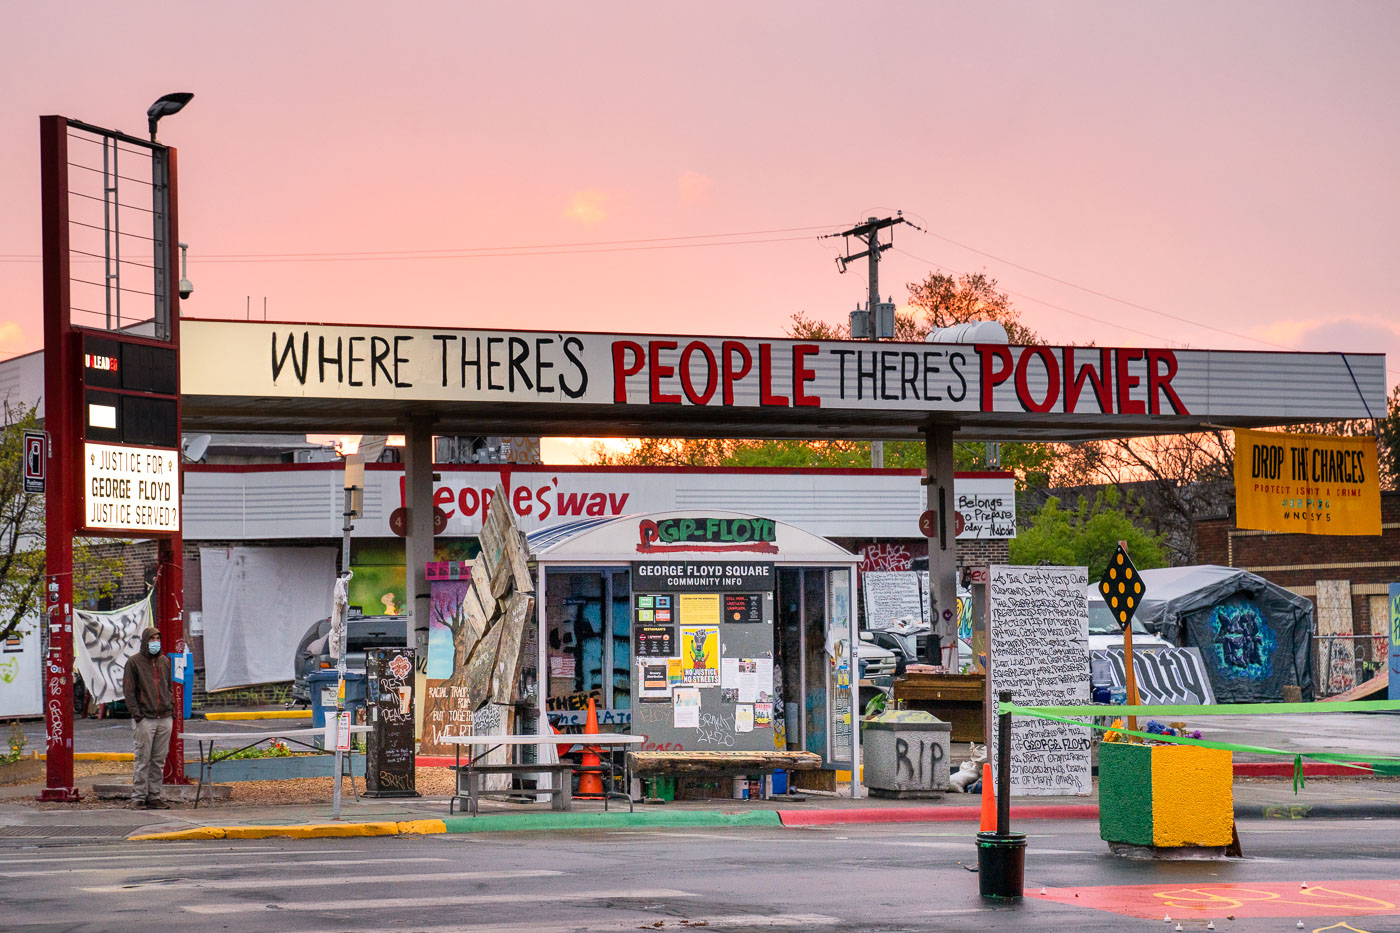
<point>1253,634</point>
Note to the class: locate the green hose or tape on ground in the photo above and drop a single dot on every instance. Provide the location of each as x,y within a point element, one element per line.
<point>1214,709</point>
<point>1375,762</point>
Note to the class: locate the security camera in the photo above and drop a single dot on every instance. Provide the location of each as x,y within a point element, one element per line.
<point>186,286</point>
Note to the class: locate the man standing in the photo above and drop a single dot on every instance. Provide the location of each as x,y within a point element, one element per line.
<point>149,700</point>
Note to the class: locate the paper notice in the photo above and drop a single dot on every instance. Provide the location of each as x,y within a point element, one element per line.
<point>686,707</point>
<point>743,717</point>
<point>700,655</point>
<point>765,680</point>
<point>748,680</point>
<point>674,676</point>
<point>729,673</point>
<point>763,714</point>
<point>699,608</point>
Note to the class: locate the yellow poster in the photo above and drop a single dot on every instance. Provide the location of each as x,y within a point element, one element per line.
<point>1307,483</point>
<point>700,655</point>
<point>699,608</point>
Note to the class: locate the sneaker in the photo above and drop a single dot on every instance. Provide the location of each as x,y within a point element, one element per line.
<point>155,803</point>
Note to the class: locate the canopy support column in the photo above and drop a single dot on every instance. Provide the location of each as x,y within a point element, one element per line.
<point>942,546</point>
<point>418,546</point>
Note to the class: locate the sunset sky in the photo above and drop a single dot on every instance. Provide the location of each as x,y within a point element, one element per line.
<point>1227,166</point>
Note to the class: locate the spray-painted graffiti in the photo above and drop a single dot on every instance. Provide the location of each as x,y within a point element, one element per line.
<point>886,556</point>
<point>104,642</point>
<point>1244,643</point>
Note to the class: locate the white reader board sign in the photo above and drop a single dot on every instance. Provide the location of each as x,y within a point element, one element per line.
<point>892,595</point>
<point>1038,643</point>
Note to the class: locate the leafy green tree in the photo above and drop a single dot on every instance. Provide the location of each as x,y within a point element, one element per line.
<point>1087,535</point>
<point>22,537</point>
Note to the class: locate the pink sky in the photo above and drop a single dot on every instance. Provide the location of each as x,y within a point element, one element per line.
<point>1232,164</point>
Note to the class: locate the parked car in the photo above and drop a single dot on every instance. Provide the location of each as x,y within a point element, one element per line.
<point>1105,633</point>
<point>874,659</point>
<point>361,633</point>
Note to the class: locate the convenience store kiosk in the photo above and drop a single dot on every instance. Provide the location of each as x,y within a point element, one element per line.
<point>702,630</point>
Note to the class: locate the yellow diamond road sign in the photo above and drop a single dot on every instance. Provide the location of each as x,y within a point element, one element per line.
<point>1121,587</point>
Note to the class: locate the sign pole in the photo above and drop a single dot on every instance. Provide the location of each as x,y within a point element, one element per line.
<point>1129,674</point>
<point>60,417</point>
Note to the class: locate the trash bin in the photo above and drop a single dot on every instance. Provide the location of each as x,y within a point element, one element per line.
<point>322,685</point>
<point>1001,865</point>
<point>905,754</point>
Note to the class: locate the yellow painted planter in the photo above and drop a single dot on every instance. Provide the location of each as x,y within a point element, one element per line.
<point>1165,795</point>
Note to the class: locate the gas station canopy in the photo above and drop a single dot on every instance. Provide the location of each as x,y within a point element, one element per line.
<point>261,376</point>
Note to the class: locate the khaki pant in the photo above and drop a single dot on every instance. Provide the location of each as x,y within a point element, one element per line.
<point>151,738</point>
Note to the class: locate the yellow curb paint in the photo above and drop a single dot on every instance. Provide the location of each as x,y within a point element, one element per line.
<point>1192,796</point>
<point>95,756</point>
<point>261,714</point>
<point>200,832</point>
<point>422,827</point>
<point>312,830</point>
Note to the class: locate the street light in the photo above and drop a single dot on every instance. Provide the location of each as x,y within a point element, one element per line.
<point>164,107</point>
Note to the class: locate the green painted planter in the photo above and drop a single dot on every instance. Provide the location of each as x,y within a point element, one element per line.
<point>1165,796</point>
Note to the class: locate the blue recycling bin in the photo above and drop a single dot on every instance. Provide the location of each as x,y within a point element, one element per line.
<point>322,686</point>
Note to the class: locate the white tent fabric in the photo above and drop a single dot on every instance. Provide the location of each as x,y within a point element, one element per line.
<point>258,602</point>
<point>102,643</point>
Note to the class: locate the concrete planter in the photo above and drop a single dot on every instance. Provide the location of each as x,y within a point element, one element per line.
<point>274,769</point>
<point>1165,797</point>
<point>21,771</point>
<point>905,755</point>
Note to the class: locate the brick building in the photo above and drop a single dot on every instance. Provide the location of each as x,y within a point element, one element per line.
<point>1346,577</point>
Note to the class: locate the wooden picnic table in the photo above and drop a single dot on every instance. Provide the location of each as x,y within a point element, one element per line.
<point>208,758</point>
<point>561,796</point>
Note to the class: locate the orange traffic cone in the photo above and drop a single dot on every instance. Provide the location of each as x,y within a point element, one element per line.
<point>590,780</point>
<point>989,800</point>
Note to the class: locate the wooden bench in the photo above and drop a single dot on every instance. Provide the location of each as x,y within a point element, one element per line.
<point>722,763</point>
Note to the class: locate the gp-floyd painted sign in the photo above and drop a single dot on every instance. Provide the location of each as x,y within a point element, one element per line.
<point>257,359</point>
<point>707,534</point>
<point>131,488</point>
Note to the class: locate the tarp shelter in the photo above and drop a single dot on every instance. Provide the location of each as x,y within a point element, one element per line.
<point>1253,635</point>
<point>751,617</point>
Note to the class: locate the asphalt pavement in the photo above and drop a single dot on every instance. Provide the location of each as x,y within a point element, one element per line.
<point>847,878</point>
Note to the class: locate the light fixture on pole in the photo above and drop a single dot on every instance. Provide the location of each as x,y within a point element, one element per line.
<point>164,107</point>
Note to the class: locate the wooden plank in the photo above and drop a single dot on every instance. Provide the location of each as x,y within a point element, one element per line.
<point>1378,684</point>
<point>481,586</point>
<point>512,627</point>
<point>481,666</point>
<point>501,579</point>
<point>518,555</point>
<point>713,762</point>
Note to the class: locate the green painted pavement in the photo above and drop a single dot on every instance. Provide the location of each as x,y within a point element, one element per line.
<point>525,822</point>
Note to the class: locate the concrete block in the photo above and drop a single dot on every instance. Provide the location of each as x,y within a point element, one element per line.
<point>906,759</point>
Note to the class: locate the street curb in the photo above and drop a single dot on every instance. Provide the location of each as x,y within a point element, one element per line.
<point>1310,769</point>
<point>1317,811</point>
<point>523,822</point>
<point>1071,811</point>
<point>259,714</point>
<point>302,831</point>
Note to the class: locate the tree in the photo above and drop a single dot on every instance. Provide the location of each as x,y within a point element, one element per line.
<point>22,537</point>
<point>1087,535</point>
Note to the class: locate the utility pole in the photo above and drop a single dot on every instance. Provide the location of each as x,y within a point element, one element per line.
<point>868,233</point>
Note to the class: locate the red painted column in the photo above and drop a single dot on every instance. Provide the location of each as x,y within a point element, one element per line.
<point>170,618</point>
<point>61,493</point>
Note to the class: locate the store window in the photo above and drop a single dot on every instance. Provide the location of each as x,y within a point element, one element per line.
<point>589,638</point>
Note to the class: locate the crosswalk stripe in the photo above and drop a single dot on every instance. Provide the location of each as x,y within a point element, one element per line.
<point>213,866</point>
<point>144,852</point>
<point>235,884</point>
<point>740,921</point>
<point>460,900</point>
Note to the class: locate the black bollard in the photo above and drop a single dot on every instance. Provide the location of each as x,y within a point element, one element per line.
<point>1001,856</point>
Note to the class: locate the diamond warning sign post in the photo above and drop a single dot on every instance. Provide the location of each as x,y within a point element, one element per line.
<point>1122,589</point>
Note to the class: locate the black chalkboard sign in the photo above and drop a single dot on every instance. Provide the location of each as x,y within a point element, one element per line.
<point>391,761</point>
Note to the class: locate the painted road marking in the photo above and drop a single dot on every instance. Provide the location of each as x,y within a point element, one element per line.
<point>461,900</point>
<point>741,921</point>
<point>143,852</point>
<point>1215,901</point>
<point>234,884</point>
<point>214,866</point>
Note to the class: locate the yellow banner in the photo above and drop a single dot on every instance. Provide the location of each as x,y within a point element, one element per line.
<point>1307,483</point>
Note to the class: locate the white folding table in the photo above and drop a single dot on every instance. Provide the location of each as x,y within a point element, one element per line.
<point>207,757</point>
<point>561,797</point>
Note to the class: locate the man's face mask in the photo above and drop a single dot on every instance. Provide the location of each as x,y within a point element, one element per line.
<point>153,647</point>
